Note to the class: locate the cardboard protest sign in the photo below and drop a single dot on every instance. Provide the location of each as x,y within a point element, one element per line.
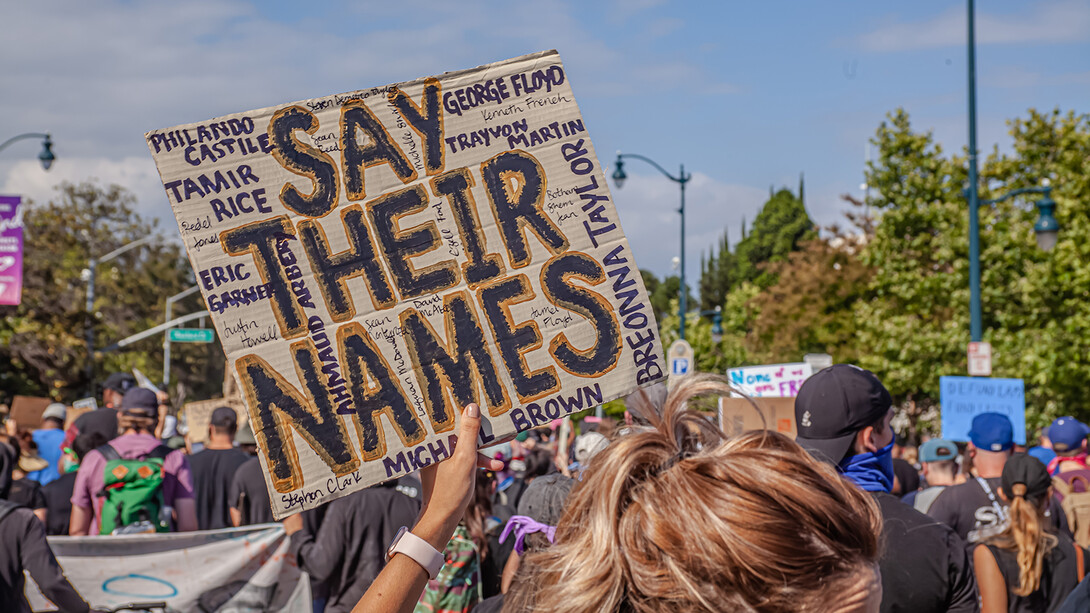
<point>373,261</point>
<point>27,411</point>
<point>198,415</point>
<point>738,415</point>
<point>963,398</point>
<point>775,380</point>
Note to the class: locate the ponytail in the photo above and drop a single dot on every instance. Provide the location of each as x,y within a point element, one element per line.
<point>1030,540</point>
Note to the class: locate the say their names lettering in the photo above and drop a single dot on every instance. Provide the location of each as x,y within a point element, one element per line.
<point>399,245</point>
<point>425,119</point>
<point>515,183</point>
<point>277,408</point>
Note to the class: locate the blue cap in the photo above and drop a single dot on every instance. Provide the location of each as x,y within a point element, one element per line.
<point>992,432</point>
<point>938,450</point>
<point>1067,433</point>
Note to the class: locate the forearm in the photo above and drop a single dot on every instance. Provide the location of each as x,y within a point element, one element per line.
<point>398,587</point>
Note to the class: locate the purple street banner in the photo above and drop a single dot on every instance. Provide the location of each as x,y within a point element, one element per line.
<point>11,250</point>
<point>375,260</point>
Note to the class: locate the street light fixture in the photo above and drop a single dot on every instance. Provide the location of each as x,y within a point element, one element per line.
<point>88,275</point>
<point>619,178</point>
<point>46,157</point>
<point>717,323</point>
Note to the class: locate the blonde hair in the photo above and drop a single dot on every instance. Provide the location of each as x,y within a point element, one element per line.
<point>676,517</point>
<point>1026,536</point>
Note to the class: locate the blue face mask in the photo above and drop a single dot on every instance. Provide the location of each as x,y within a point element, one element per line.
<point>871,471</point>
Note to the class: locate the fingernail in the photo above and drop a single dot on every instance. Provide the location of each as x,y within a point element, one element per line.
<point>472,410</point>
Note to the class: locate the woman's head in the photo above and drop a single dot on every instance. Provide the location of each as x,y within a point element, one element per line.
<point>1025,484</point>
<point>673,516</point>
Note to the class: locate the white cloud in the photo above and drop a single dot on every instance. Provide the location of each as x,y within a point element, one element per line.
<point>648,204</point>
<point>1045,22</point>
<point>137,174</point>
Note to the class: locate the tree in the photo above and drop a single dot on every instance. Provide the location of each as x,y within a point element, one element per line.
<point>779,228</point>
<point>1034,307</point>
<point>809,307</point>
<point>41,340</point>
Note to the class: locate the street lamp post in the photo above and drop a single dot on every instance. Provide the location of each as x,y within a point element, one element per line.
<point>88,317</point>
<point>46,157</point>
<point>681,179</point>
<point>1046,227</point>
<point>166,339</point>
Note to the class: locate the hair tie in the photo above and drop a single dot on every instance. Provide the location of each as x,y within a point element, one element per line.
<point>1019,490</point>
<point>523,526</point>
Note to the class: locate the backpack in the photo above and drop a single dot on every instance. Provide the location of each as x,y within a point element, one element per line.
<point>1076,505</point>
<point>457,588</point>
<point>133,490</point>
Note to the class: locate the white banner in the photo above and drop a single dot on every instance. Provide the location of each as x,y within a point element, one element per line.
<point>771,381</point>
<point>237,569</point>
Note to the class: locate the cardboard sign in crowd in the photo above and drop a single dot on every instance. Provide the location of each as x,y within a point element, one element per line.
<point>376,260</point>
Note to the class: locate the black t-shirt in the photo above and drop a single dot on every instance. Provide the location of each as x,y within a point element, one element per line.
<point>27,493</point>
<point>102,420</point>
<point>58,499</point>
<point>249,494</point>
<point>1059,577</point>
<point>968,507</point>
<point>213,471</point>
<point>925,566</point>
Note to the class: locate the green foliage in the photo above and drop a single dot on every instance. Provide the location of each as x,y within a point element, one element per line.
<point>41,340</point>
<point>1035,314</point>
<point>779,228</point>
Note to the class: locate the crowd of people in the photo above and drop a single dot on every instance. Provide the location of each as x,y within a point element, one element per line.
<point>660,512</point>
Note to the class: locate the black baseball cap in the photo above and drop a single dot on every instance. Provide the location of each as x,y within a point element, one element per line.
<point>1027,471</point>
<point>833,405</point>
<point>140,401</point>
<point>119,382</point>
<point>224,417</point>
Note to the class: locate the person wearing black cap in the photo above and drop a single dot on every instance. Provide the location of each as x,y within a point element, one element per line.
<point>213,469</point>
<point>103,419</point>
<point>843,416</point>
<point>137,419</point>
<point>23,549</point>
<point>1027,566</point>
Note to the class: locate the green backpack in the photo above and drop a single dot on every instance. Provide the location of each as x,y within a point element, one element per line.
<point>133,490</point>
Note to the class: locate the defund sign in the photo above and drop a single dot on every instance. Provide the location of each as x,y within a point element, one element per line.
<point>376,260</point>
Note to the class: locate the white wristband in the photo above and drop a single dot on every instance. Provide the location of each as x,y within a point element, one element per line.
<point>418,549</point>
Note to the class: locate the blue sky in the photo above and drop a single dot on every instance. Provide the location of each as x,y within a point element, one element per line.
<point>746,95</point>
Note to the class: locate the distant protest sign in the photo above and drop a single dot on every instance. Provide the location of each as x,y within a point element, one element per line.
<point>11,250</point>
<point>375,260</point>
<point>771,381</point>
<point>963,398</point>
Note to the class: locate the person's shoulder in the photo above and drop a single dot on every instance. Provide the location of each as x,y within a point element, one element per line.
<point>16,517</point>
<point>907,530</point>
<point>897,513</point>
<point>953,494</point>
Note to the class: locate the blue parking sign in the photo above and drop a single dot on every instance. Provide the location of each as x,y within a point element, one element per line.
<point>680,366</point>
